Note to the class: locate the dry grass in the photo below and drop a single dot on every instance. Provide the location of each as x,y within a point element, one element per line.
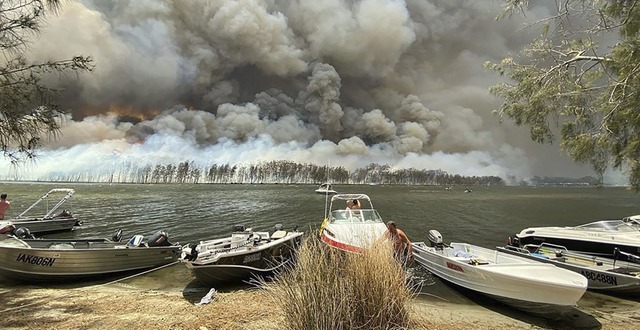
<point>328,289</point>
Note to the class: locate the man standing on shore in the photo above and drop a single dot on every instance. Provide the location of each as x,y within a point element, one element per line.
<point>4,205</point>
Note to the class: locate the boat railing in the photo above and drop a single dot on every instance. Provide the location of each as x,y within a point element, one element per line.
<point>355,216</point>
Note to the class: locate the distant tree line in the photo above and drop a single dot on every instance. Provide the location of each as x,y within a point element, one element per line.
<point>280,171</point>
<point>562,181</point>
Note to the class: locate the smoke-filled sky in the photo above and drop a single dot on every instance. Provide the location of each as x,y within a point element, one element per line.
<point>346,82</point>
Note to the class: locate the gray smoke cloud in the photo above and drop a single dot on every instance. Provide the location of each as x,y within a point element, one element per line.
<point>385,81</point>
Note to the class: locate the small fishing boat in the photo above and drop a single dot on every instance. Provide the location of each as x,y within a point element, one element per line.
<point>326,189</point>
<point>598,238</point>
<point>50,220</point>
<point>348,229</point>
<point>604,274</point>
<point>539,288</point>
<point>49,260</point>
<point>241,256</point>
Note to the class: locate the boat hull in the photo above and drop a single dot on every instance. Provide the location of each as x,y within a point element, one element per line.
<point>80,262</point>
<point>236,266</point>
<point>352,237</point>
<point>47,226</point>
<point>508,280</point>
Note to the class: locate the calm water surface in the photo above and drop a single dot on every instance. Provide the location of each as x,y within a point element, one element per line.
<point>189,213</point>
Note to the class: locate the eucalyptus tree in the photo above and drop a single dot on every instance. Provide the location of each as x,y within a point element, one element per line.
<point>27,110</point>
<point>579,78</point>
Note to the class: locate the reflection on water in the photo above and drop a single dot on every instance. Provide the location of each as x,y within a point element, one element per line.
<point>189,213</point>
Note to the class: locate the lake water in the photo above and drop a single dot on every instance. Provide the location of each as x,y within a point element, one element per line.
<point>189,213</point>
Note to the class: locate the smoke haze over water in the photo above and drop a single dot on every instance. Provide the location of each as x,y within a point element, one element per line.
<point>353,82</point>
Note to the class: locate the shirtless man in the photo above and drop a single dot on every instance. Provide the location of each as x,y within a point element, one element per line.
<point>402,249</point>
<point>4,205</point>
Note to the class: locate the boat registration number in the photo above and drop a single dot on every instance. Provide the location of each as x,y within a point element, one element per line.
<point>602,278</point>
<point>251,258</point>
<point>35,260</point>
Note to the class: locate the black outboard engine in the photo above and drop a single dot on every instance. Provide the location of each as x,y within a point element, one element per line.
<point>160,238</point>
<point>117,236</point>
<point>435,239</point>
<point>238,228</point>
<point>24,233</point>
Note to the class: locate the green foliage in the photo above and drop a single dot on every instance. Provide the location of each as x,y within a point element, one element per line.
<point>567,79</point>
<point>27,111</point>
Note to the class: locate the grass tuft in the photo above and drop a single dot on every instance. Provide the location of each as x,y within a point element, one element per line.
<point>329,289</point>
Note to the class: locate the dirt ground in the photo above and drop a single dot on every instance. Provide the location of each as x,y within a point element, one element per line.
<point>121,306</point>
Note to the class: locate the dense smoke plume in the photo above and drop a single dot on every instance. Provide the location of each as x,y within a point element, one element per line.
<point>350,82</point>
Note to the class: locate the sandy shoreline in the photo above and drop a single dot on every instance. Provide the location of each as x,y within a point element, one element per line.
<point>125,306</point>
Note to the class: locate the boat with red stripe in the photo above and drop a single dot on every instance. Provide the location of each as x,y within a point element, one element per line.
<point>351,223</point>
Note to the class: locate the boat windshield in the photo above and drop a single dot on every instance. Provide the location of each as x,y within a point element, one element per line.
<point>354,216</point>
<point>610,225</point>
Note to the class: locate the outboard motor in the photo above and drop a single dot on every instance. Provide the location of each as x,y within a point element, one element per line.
<point>192,253</point>
<point>238,228</point>
<point>435,239</point>
<point>117,236</point>
<point>160,238</point>
<point>24,233</point>
<point>277,227</point>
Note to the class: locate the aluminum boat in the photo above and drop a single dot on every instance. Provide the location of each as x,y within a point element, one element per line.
<point>49,220</point>
<point>48,260</point>
<point>243,255</point>
<point>605,275</point>
<point>535,287</point>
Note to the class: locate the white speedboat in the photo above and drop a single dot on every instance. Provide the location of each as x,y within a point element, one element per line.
<point>596,238</point>
<point>243,254</point>
<point>604,274</point>
<point>49,260</point>
<point>351,230</point>
<point>326,189</point>
<point>538,288</point>
<point>49,220</point>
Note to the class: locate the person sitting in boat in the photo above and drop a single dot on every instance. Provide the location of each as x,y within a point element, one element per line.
<point>402,249</point>
<point>353,207</point>
<point>353,204</point>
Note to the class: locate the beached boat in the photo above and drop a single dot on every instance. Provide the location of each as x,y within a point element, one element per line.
<point>48,260</point>
<point>604,274</point>
<point>50,220</point>
<point>242,255</point>
<point>326,189</point>
<point>539,288</point>
<point>351,230</point>
<point>598,238</point>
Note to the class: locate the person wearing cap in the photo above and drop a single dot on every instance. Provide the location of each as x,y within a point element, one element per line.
<point>402,249</point>
<point>4,205</point>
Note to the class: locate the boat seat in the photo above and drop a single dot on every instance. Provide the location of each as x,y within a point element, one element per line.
<point>477,262</point>
<point>279,234</point>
